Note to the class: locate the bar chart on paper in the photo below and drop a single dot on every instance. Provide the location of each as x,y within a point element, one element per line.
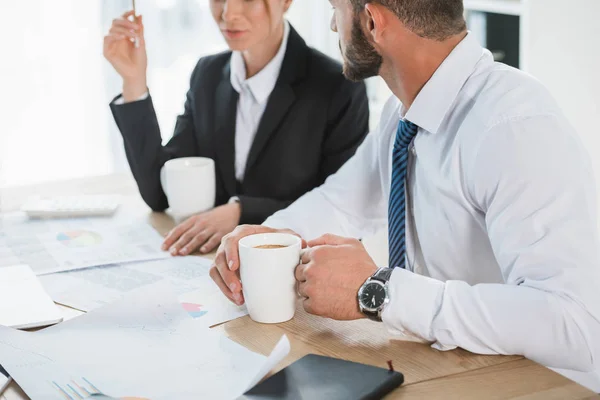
<point>91,288</point>
<point>74,390</point>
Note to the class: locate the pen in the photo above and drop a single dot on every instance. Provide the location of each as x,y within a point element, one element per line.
<point>137,40</point>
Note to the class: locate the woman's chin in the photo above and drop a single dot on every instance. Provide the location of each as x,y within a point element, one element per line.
<point>235,45</point>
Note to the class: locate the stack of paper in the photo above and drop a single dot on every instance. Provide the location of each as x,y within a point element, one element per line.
<point>144,345</point>
<point>98,260</point>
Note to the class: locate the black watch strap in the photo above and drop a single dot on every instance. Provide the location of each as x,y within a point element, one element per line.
<point>373,316</point>
<point>383,274</point>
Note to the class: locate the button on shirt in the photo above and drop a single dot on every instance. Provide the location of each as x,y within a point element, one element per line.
<point>501,231</point>
<point>254,93</point>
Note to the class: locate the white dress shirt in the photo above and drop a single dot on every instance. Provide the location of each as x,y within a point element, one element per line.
<point>253,95</point>
<point>502,236</point>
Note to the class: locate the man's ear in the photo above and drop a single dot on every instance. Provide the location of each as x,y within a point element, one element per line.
<point>375,21</point>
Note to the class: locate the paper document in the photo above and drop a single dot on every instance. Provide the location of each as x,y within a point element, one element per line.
<point>23,302</point>
<point>144,345</point>
<point>49,246</point>
<point>91,288</point>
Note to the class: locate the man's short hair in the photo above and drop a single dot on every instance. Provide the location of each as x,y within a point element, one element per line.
<point>431,19</point>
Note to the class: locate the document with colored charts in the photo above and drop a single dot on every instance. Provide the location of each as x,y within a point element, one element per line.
<point>49,246</point>
<point>92,288</point>
<point>144,345</point>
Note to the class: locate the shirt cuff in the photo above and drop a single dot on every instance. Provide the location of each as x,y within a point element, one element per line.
<point>415,301</point>
<point>120,101</point>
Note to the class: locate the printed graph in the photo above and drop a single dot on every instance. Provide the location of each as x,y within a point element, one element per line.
<point>82,390</point>
<point>74,390</point>
<point>79,238</point>
<point>195,310</point>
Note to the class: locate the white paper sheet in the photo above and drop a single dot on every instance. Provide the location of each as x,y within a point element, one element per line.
<point>23,302</point>
<point>91,288</point>
<point>49,246</point>
<point>281,350</point>
<point>145,345</point>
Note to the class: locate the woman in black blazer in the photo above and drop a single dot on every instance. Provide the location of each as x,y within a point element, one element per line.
<point>276,116</point>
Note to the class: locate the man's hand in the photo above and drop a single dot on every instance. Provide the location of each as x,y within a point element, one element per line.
<point>332,271</point>
<point>226,271</point>
<point>203,231</point>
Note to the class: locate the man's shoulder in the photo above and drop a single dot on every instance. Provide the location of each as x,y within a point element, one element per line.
<point>504,107</point>
<point>500,93</point>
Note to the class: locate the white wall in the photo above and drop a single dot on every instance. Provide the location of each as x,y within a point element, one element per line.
<point>562,49</point>
<point>49,99</point>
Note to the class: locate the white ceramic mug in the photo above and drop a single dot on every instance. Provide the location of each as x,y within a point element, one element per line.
<point>267,276</point>
<point>189,184</point>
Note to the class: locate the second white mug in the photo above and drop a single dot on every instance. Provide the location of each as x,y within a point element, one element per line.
<point>189,184</point>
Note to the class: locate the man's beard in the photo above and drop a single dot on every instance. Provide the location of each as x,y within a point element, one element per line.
<point>361,60</point>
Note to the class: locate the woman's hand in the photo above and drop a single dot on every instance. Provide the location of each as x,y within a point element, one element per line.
<point>203,231</point>
<point>125,49</point>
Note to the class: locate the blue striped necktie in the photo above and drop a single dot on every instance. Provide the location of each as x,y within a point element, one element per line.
<point>397,206</point>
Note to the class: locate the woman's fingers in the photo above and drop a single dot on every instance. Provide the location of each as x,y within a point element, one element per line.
<point>176,233</point>
<point>115,30</point>
<point>196,242</point>
<point>125,23</point>
<point>212,243</point>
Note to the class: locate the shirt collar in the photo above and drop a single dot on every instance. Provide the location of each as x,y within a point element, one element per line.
<point>261,85</point>
<point>437,96</point>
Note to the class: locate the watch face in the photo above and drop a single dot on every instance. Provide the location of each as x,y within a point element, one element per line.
<point>372,295</point>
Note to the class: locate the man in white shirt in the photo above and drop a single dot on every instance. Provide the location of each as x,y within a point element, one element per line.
<point>489,194</point>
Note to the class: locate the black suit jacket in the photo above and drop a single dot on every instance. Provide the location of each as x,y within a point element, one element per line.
<point>313,123</point>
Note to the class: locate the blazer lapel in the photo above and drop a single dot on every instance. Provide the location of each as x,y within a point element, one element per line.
<point>282,97</point>
<point>280,101</point>
<point>225,114</point>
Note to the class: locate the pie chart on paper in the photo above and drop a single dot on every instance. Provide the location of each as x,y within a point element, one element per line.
<point>194,310</point>
<point>77,239</point>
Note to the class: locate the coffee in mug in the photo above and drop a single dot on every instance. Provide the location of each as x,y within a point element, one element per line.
<point>270,246</point>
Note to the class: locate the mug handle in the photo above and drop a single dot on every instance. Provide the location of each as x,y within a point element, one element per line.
<point>298,295</point>
<point>163,179</point>
<point>302,251</point>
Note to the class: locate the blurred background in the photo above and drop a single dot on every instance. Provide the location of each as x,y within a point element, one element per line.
<point>55,85</point>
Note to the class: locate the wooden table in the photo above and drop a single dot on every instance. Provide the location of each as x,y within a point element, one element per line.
<point>428,373</point>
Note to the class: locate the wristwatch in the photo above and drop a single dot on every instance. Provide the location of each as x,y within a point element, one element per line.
<point>373,294</point>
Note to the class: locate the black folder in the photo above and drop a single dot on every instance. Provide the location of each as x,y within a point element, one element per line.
<point>316,377</point>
